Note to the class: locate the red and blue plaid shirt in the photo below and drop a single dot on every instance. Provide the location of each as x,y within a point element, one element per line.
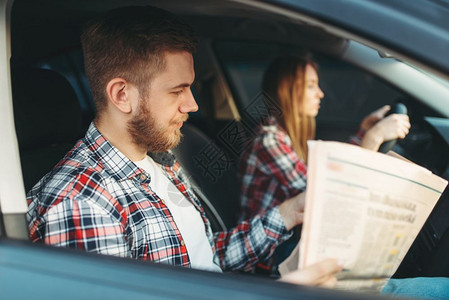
<point>97,200</point>
<point>270,170</point>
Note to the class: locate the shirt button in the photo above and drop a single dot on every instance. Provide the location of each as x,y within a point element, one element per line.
<point>143,176</point>
<point>182,243</point>
<point>163,201</point>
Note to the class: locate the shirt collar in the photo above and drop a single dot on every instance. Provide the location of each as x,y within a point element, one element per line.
<point>115,163</point>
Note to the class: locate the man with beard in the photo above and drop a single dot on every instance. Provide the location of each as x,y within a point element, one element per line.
<point>120,191</point>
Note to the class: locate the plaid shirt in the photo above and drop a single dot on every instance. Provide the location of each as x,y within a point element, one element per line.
<point>270,171</point>
<point>272,162</point>
<point>97,200</point>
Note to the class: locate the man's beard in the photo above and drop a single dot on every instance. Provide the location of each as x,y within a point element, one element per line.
<point>147,134</point>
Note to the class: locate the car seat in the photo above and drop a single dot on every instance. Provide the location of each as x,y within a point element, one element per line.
<point>213,172</point>
<point>48,120</point>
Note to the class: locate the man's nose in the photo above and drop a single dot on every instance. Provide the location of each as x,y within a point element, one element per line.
<point>188,104</point>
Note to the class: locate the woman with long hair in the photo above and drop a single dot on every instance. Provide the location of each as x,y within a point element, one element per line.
<point>274,167</point>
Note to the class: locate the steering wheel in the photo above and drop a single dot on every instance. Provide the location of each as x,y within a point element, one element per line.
<point>398,108</point>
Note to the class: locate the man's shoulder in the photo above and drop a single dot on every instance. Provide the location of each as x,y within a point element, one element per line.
<point>80,159</point>
<point>80,179</point>
<point>79,167</point>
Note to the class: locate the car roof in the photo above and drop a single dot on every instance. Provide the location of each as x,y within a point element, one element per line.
<point>402,28</point>
<point>405,29</point>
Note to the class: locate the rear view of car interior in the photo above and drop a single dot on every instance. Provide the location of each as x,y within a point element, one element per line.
<point>53,105</point>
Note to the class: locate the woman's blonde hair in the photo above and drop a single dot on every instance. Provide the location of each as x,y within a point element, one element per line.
<point>284,82</point>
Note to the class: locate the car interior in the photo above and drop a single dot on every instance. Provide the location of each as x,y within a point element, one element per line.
<point>53,105</point>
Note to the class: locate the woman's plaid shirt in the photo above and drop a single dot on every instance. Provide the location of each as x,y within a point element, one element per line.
<point>97,200</point>
<point>270,170</point>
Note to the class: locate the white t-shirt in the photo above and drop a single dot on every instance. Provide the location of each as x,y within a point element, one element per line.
<point>186,216</point>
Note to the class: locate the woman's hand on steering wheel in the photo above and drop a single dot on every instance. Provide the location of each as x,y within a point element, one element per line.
<point>386,129</point>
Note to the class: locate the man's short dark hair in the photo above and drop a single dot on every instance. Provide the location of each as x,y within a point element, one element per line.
<point>130,43</point>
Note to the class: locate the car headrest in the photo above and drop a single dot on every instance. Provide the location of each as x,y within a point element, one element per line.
<point>46,108</point>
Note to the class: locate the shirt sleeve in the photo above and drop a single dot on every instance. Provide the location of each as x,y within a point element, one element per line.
<point>356,139</point>
<point>83,225</point>
<point>73,217</point>
<point>250,241</point>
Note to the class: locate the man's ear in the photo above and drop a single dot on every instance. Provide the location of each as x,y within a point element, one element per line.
<point>121,94</point>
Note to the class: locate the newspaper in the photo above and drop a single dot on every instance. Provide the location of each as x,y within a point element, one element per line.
<point>363,208</point>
